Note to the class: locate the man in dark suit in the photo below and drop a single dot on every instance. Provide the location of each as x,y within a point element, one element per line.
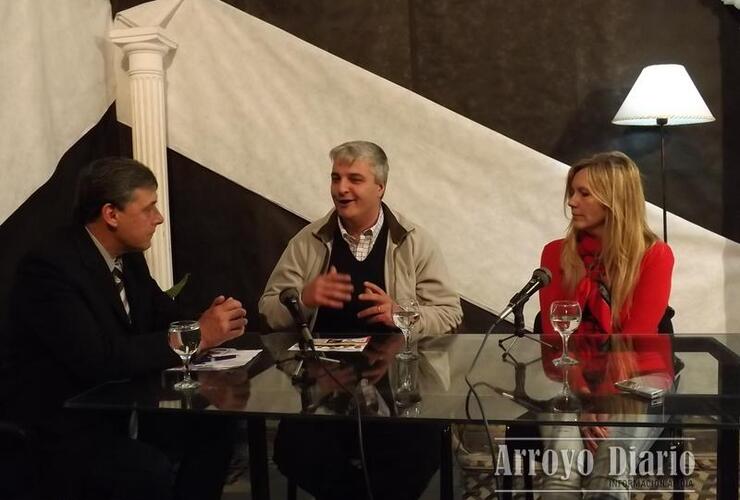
<point>84,310</point>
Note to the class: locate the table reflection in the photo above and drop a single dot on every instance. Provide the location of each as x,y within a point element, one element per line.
<point>400,459</point>
<point>221,390</point>
<point>360,380</point>
<point>593,394</point>
<point>607,361</point>
<point>225,390</point>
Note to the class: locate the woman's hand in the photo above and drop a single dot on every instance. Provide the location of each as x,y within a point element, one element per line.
<point>593,435</point>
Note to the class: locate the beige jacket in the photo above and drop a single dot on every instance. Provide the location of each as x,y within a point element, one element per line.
<point>414,267</point>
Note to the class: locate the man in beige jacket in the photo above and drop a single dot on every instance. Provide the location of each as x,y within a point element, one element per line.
<point>351,266</point>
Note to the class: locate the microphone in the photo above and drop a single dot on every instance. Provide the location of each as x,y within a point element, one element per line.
<point>540,278</point>
<point>290,299</point>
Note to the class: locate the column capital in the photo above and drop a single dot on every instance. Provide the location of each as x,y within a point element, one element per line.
<point>152,38</point>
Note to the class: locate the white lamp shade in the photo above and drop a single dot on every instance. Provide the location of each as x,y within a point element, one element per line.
<point>663,91</point>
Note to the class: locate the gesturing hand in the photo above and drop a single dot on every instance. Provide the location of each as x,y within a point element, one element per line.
<point>382,310</point>
<point>332,289</point>
<point>224,320</point>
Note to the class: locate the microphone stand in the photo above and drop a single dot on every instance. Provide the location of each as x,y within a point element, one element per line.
<point>519,394</point>
<point>519,330</point>
<point>290,298</point>
<point>307,353</point>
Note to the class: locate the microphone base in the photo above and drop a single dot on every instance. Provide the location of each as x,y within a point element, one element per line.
<point>516,338</point>
<point>300,376</point>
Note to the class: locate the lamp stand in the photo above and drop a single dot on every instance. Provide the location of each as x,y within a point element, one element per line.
<point>661,122</point>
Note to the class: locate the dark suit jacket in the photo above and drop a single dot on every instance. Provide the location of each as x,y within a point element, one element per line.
<point>69,331</point>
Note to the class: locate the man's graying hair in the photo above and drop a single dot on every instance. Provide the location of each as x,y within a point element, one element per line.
<point>109,180</point>
<point>349,152</point>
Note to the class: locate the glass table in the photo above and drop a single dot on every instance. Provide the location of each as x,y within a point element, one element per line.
<point>520,390</point>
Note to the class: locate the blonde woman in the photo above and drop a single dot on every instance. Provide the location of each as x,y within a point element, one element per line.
<point>620,274</point>
<point>609,261</point>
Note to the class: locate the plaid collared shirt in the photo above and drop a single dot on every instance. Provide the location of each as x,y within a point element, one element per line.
<point>362,245</point>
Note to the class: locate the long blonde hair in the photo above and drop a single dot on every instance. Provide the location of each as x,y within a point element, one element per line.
<point>614,180</point>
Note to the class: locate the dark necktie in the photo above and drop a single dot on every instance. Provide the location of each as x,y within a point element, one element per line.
<point>118,280</point>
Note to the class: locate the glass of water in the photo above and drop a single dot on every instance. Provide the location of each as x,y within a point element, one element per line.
<point>566,401</point>
<point>184,338</point>
<point>405,316</point>
<point>565,316</point>
<point>406,386</point>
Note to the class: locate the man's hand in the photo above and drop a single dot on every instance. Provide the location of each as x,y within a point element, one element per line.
<point>343,374</point>
<point>379,355</point>
<point>223,321</point>
<point>332,289</point>
<point>226,390</point>
<point>382,310</point>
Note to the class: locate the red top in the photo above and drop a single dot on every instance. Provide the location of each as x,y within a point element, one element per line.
<point>590,341</point>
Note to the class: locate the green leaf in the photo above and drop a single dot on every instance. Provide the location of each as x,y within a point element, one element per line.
<point>177,287</point>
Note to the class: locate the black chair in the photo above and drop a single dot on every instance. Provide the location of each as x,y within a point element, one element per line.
<point>17,463</point>
<point>670,439</point>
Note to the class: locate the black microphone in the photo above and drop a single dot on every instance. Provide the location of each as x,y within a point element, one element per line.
<point>540,278</point>
<point>290,299</point>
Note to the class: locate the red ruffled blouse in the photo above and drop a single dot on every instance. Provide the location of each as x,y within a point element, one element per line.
<point>590,342</point>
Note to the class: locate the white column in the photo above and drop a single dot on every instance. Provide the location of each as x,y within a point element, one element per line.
<point>144,50</point>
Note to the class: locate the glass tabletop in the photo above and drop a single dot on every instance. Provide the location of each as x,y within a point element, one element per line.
<point>699,376</point>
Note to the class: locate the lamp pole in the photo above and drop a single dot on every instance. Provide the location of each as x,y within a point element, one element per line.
<point>661,125</point>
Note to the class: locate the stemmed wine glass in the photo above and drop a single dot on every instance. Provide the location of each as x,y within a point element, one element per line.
<point>184,339</point>
<point>566,401</point>
<point>405,316</point>
<point>565,316</point>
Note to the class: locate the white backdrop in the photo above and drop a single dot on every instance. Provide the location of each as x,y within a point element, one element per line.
<point>55,84</point>
<point>263,108</point>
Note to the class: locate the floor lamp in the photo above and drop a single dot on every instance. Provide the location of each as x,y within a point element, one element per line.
<point>663,96</point>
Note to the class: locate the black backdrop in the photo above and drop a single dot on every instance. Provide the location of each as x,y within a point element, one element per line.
<point>547,73</point>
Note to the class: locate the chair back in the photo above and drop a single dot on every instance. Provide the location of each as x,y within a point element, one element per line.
<point>666,325</point>
<point>537,327</point>
<point>17,463</point>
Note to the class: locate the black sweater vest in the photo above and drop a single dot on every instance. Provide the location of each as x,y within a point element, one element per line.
<point>330,322</point>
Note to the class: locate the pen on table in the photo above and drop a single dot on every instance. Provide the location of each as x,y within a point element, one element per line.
<point>219,357</point>
<point>207,358</point>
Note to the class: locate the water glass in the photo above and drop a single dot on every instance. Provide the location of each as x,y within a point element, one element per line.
<point>406,315</point>
<point>184,339</point>
<point>406,386</point>
<point>565,316</point>
<point>566,401</point>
